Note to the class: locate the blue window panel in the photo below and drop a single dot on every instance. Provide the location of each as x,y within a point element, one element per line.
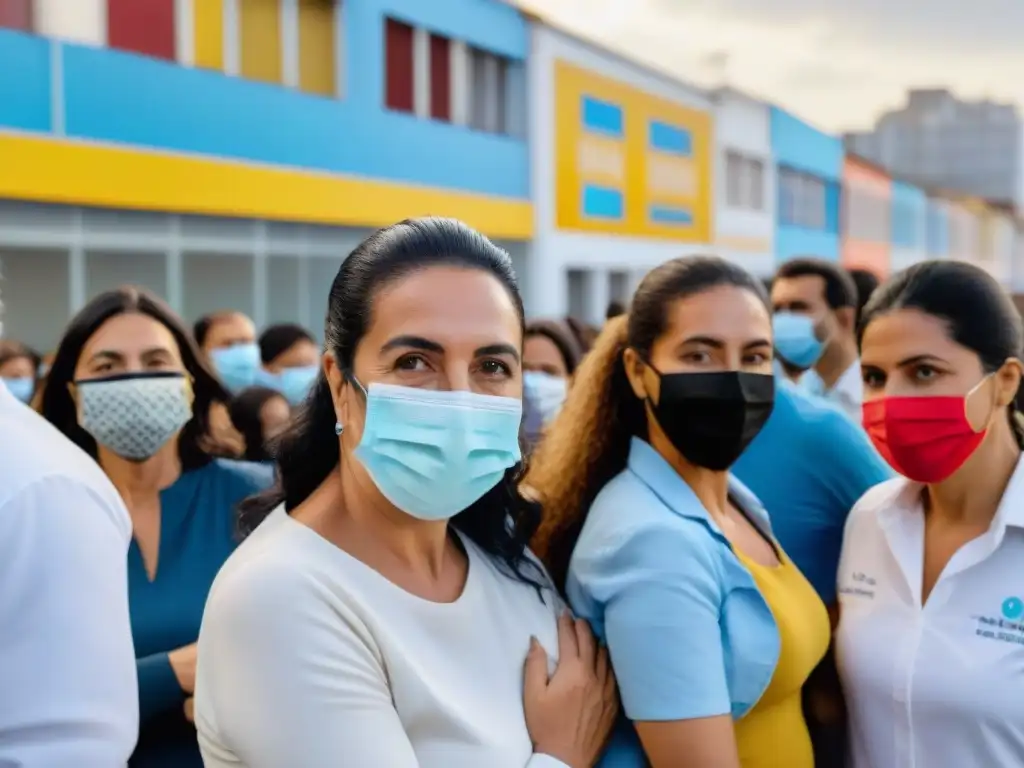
<point>602,202</point>
<point>602,117</point>
<point>666,214</point>
<point>670,139</point>
<point>832,207</point>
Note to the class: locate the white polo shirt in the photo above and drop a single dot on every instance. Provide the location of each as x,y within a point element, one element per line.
<point>938,686</point>
<point>69,696</point>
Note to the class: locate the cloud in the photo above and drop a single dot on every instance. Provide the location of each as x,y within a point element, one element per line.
<point>836,62</point>
<point>978,25</point>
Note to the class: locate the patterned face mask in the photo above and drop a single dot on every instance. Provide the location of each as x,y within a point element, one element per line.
<point>134,415</point>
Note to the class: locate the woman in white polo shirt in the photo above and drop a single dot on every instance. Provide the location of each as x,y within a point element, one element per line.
<point>930,644</point>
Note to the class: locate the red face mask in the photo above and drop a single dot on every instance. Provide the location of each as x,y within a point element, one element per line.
<point>925,439</point>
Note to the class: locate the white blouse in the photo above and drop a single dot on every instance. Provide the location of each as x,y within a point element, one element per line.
<point>938,685</point>
<point>308,657</point>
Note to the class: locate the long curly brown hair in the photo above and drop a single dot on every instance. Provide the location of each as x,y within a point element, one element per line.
<point>588,442</point>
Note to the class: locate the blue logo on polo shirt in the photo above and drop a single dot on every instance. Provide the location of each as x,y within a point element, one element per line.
<point>1013,608</point>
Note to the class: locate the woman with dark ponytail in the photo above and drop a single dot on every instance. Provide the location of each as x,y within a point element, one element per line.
<point>382,612</point>
<point>930,642</point>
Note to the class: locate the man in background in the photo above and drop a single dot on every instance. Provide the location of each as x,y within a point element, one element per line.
<point>824,297</point>
<point>67,663</point>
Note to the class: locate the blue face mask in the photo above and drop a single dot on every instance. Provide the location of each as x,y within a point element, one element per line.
<point>293,383</point>
<point>22,387</point>
<point>431,453</point>
<point>795,341</point>
<point>237,365</point>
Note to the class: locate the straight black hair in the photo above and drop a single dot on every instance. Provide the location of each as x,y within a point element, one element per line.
<point>502,521</point>
<point>278,339</point>
<point>195,445</point>
<point>244,411</point>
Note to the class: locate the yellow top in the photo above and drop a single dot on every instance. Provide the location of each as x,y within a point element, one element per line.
<point>774,733</point>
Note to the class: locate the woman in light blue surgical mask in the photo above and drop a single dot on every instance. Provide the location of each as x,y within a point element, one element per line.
<point>386,605</point>
<point>129,386</point>
<point>18,369</point>
<point>228,339</point>
<point>291,361</point>
<point>550,356</point>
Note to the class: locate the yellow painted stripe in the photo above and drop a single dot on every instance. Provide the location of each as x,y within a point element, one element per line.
<point>317,54</point>
<point>209,33</point>
<point>259,34</point>
<point>78,173</point>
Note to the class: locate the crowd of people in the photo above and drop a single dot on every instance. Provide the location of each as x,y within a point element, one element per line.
<point>742,525</point>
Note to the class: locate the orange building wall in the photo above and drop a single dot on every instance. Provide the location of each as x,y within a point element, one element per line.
<point>871,184</point>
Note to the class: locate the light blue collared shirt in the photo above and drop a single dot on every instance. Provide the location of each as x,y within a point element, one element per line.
<point>688,631</point>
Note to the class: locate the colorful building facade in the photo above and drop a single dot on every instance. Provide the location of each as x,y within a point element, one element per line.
<point>908,225</point>
<point>222,148</point>
<point>745,182</point>
<point>867,216</point>
<point>621,161</point>
<point>809,167</point>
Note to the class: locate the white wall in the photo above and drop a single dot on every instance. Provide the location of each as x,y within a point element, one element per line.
<point>82,21</point>
<point>1003,245</point>
<point>554,252</point>
<point>744,235</point>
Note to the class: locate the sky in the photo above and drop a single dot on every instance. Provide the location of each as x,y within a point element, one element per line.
<point>836,63</point>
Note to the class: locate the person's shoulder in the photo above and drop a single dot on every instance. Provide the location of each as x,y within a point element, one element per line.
<point>636,536</point>
<point>274,563</point>
<point>877,500</point>
<point>42,467</point>
<point>245,477</point>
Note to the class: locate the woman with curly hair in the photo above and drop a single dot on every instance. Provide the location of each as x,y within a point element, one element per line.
<point>712,629</point>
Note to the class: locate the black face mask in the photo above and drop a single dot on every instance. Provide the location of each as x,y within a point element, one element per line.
<point>711,418</point>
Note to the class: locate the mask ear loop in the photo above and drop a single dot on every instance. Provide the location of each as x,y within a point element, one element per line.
<point>967,397</point>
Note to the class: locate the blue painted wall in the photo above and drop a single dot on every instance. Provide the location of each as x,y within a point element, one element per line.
<point>119,97</point>
<point>938,229</point>
<point>801,147</point>
<point>908,216</point>
<point>24,82</point>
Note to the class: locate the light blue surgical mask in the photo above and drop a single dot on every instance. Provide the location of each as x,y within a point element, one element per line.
<point>433,453</point>
<point>237,365</point>
<point>22,387</point>
<point>795,340</point>
<point>293,383</point>
<point>545,393</point>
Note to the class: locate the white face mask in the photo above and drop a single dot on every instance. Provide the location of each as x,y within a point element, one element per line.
<point>545,393</point>
<point>134,415</point>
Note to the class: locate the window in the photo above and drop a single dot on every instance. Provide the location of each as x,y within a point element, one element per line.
<point>488,91</point>
<point>142,26</point>
<point>755,185</point>
<point>744,181</point>
<point>440,78</point>
<point>16,14</point>
<point>399,83</point>
<point>317,56</point>
<point>803,199</point>
<point>733,179</point>
<point>259,38</point>
<point>208,33</point>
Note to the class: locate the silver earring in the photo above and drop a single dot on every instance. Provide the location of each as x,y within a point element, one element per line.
<point>338,428</point>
